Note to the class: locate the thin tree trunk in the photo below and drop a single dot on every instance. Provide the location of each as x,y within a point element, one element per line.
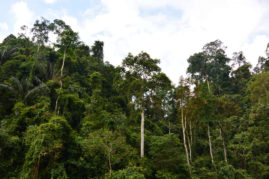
<point>224,147</point>
<point>208,86</point>
<point>189,144</point>
<point>210,144</point>
<point>208,129</point>
<point>142,134</point>
<point>38,47</point>
<point>56,105</point>
<point>184,137</point>
<point>61,82</point>
<point>109,161</point>
<point>190,127</point>
<point>191,132</point>
<point>62,68</point>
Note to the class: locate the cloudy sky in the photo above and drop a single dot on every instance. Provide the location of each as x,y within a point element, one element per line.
<point>170,30</point>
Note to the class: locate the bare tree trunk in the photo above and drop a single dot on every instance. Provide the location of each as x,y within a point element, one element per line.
<point>191,132</point>
<point>210,144</point>
<point>224,147</point>
<point>56,105</point>
<point>38,47</point>
<point>208,129</point>
<point>62,68</point>
<point>184,137</point>
<point>187,139</point>
<point>208,86</point>
<point>142,134</point>
<point>190,140</point>
<point>189,144</point>
<point>61,82</point>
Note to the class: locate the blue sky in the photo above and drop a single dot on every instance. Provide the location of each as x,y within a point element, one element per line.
<point>170,30</point>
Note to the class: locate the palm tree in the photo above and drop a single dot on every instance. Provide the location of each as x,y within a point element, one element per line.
<point>23,89</point>
<point>7,53</point>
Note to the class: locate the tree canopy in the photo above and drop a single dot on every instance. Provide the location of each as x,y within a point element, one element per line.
<point>65,112</point>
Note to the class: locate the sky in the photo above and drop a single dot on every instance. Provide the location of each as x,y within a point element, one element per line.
<point>169,30</point>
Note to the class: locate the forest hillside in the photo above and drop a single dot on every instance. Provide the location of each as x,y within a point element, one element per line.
<point>65,112</point>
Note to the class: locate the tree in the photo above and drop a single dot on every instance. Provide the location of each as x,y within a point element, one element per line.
<point>7,53</point>
<point>45,146</point>
<point>211,65</point>
<point>108,145</point>
<point>239,59</point>
<point>166,156</point>
<point>138,71</point>
<point>66,40</point>
<point>183,93</point>
<point>240,78</point>
<point>258,88</point>
<point>40,32</point>
<point>23,89</point>
<point>97,50</point>
<point>263,62</point>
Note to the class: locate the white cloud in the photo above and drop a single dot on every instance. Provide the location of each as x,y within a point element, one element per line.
<point>50,1</point>
<point>22,14</point>
<point>256,48</point>
<point>171,37</point>
<point>3,26</point>
<point>3,30</point>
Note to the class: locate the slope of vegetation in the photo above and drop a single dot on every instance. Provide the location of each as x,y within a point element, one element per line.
<point>65,113</point>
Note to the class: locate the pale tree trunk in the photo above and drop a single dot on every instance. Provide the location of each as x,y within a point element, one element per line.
<point>184,137</point>
<point>187,139</point>
<point>191,132</point>
<point>208,130</point>
<point>38,47</point>
<point>210,144</point>
<point>208,86</point>
<point>142,134</point>
<point>56,105</point>
<point>189,144</point>
<point>190,140</point>
<point>62,68</point>
<point>224,146</point>
<point>61,82</point>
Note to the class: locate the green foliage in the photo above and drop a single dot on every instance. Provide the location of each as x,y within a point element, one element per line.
<point>258,88</point>
<point>65,113</point>
<point>167,160</point>
<point>45,146</point>
<point>103,149</point>
<point>128,173</point>
<point>211,65</point>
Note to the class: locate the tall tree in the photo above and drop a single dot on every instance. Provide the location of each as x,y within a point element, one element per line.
<point>183,93</point>
<point>40,32</point>
<point>67,40</point>
<point>211,65</point>
<point>138,72</point>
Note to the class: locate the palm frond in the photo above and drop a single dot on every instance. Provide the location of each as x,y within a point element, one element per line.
<point>8,87</point>
<point>18,84</point>
<point>41,88</point>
